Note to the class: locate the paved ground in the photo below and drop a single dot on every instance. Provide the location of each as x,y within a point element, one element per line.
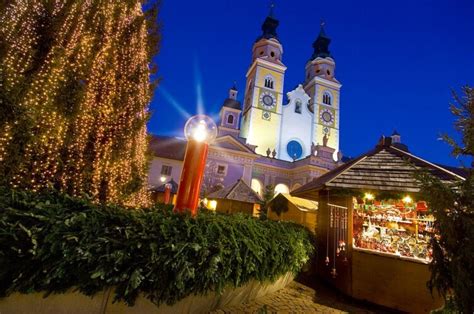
<point>298,298</point>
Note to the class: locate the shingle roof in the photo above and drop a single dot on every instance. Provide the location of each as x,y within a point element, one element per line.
<point>301,203</point>
<point>386,168</point>
<point>239,191</point>
<point>168,147</point>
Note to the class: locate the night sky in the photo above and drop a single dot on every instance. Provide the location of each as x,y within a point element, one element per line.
<point>397,61</point>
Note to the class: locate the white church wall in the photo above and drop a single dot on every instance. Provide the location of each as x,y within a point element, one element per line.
<point>156,167</point>
<point>296,126</point>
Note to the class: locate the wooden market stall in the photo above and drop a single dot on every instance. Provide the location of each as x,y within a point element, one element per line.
<point>373,228</point>
<point>236,198</point>
<point>290,208</point>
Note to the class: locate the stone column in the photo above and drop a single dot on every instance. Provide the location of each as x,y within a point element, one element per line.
<point>247,175</point>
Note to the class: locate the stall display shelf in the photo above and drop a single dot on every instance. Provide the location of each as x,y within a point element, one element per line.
<point>390,230</point>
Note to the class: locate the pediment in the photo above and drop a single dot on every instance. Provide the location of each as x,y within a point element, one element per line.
<point>230,142</point>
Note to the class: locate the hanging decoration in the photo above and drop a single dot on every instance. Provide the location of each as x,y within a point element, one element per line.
<point>327,234</point>
<point>338,223</point>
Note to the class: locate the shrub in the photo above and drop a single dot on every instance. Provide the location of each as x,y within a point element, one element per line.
<point>53,243</point>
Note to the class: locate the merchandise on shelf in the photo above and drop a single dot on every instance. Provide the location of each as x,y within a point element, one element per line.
<point>395,227</point>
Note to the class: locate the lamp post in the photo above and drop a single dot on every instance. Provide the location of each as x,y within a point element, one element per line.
<point>199,130</point>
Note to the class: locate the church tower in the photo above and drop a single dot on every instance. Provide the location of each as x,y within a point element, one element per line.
<point>323,88</point>
<point>230,114</point>
<point>261,119</point>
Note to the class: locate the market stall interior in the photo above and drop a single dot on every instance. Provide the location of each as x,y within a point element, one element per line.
<point>400,227</point>
<point>374,228</point>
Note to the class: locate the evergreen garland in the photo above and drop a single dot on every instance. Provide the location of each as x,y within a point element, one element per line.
<point>53,243</point>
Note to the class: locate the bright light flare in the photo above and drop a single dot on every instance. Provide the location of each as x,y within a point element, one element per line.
<point>199,97</point>
<point>174,102</point>
<point>200,132</point>
<point>200,128</point>
<point>213,205</point>
<point>407,199</point>
<point>369,196</point>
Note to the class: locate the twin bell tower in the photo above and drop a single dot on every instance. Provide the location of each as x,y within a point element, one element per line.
<point>308,115</point>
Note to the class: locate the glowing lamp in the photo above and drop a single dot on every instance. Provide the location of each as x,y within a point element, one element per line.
<point>200,131</point>
<point>213,205</point>
<point>163,179</point>
<point>369,196</point>
<point>407,199</point>
<point>200,128</point>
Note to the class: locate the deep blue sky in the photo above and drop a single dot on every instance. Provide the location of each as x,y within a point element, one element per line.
<point>397,62</point>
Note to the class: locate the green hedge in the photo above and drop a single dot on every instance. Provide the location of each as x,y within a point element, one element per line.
<point>52,243</point>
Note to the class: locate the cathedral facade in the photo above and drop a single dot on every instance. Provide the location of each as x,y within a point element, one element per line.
<point>280,139</point>
<point>310,113</point>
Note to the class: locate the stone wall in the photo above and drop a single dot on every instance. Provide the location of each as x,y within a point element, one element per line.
<point>76,303</point>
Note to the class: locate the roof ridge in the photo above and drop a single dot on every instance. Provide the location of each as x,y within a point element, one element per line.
<point>232,188</point>
<point>429,163</point>
<point>250,188</point>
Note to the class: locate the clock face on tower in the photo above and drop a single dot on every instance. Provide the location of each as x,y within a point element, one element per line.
<point>326,117</point>
<point>267,100</point>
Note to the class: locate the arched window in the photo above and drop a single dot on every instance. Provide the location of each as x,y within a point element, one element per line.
<point>269,82</point>
<point>327,98</point>
<point>230,119</point>
<point>256,186</point>
<point>282,188</point>
<point>298,106</point>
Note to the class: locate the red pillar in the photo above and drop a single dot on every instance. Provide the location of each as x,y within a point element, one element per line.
<point>191,177</point>
<point>167,195</point>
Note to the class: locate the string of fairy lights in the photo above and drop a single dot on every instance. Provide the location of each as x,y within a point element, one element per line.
<point>85,104</point>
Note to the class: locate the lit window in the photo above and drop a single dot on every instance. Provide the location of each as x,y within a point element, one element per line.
<point>327,98</point>
<point>166,170</point>
<point>230,119</point>
<point>282,188</point>
<point>256,186</point>
<point>298,106</point>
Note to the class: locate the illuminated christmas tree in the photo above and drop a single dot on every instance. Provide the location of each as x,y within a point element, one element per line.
<point>74,93</point>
